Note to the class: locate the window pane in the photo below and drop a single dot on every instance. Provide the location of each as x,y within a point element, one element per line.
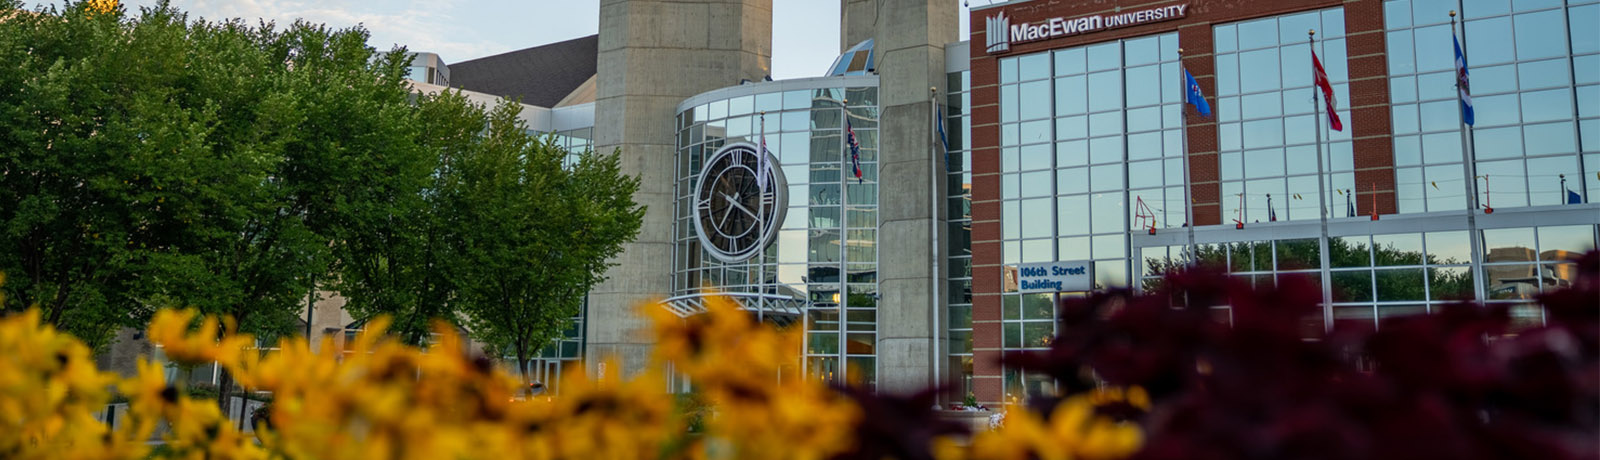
<point>1508,245</point>
<point>1038,334</point>
<point>1073,213</point>
<point>1036,218</point>
<point>1564,243</point>
<point>1033,66</point>
<point>1449,248</point>
<point>1298,254</point>
<point>1402,249</point>
<point>1511,281</point>
<point>1348,252</point>
<point>1352,286</point>
<point>1038,306</point>
<point>1011,306</point>
<point>1540,35</point>
<point>1450,283</point>
<point>1399,284</point>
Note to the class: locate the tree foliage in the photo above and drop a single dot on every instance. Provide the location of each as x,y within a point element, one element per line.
<point>146,162</point>
<point>534,234</point>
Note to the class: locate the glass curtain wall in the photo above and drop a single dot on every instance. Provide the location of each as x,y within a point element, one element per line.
<point>1266,120</point>
<point>826,251</point>
<point>958,126</point>
<point>1535,82</point>
<point>1091,144</point>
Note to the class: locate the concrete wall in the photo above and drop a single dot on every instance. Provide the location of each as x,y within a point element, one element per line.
<point>653,55</point>
<point>857,22</point>
<point>909,38</point>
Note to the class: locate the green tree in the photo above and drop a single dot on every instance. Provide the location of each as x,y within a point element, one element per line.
<point>368,163</point>
<point>143,165</point>
<point>534,236</point>
<point>152,161</point>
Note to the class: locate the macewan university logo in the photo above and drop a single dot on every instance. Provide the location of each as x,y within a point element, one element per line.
<point>1000,34</point>
<point>997,39</point>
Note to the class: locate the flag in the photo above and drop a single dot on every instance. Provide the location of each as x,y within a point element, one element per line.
<point>1272,213</point>
<point>944,141</point>
<point>1194,96</point>
<point>1462,88</point>
<point>855,150</point>
<point>761,158</point>
<point>1321,81</point>
<point>1574,197</point>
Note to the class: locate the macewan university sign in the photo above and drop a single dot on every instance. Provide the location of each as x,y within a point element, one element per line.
<point>1001,34</point>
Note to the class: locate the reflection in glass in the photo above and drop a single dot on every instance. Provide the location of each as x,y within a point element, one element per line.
<point>1037,334</point>
<point>1349,252</point>
<point>1405,284</point>
<point>1352,286</point>
<point>1011,307</point>
<point>1298,254</point>
<point>1511,281</point>
<point>1565,243</point>
<point>1038,306</point>
<point>1393,311</point>
<point>1013,335</point>
<point>1401,249</point>
<point>1359,317</point>
<point>1450,283</point>
<point>1449,247</point>
<point>1508,245</point>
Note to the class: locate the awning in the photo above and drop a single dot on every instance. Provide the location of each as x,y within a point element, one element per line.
<point>776,308</point>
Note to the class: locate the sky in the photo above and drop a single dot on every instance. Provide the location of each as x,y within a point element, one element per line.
<point>805,33</point>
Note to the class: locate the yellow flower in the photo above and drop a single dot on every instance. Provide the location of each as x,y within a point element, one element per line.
<point>1073,431</point>
<point>101,6</point>
<point>170,329</point>
<point>49,393</point>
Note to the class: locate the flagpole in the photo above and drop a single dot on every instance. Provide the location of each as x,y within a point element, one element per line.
<point>1469,168</point>
<point>761,224</point>
<point>1183,120</point>
<point>1322,195</point>
<point>933,230</point>
<point>844,248</point>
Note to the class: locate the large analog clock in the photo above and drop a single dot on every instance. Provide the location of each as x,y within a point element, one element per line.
<point>733,217</point>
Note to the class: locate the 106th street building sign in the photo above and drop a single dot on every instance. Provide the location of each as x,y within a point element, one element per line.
<point>1066,276</point>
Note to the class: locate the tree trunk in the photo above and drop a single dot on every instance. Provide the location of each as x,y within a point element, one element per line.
<point>522,368</point>
<point>224,393</point>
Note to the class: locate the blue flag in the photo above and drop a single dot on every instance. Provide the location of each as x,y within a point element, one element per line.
<point>944,142</point>
<point>1574,197</point>
<point>1194,96</point>
<point>1462,88</point>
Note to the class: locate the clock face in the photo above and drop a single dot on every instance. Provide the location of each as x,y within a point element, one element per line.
<point>734,217</point>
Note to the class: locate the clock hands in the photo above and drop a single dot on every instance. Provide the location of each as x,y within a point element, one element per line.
<point>734,201</point>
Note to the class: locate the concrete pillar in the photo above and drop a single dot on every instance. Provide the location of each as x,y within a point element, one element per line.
<point>857,22</point>
<point>653,55</point>
<point>909,38</point>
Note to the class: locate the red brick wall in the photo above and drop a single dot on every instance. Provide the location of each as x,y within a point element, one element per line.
<point>1371,128</point>
<point>1369,94</point>
<point>986,250</point>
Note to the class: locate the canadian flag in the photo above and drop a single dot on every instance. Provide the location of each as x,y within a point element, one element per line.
<point>1327,92</point>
